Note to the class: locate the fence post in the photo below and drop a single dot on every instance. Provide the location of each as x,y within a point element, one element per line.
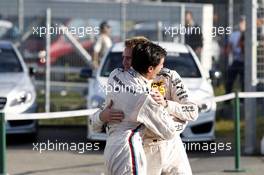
<point>237,135</point>
<point>48,40</point>
<point>237,132</point>
<point>250,9</point>
<point>123,13</point>
<point>2,144</point>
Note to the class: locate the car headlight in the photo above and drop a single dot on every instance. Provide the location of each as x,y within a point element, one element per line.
<point>22,98</point>
<point>97,102</point>
<point>205,106</point>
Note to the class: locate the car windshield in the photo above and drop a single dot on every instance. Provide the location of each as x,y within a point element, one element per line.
<point>183,63</point>
<point>9,61</point>
<point>8,33</point>
<point>3,31</point>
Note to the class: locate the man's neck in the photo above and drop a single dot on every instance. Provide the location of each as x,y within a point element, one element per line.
<point>191,23</point>
<point>147,79</point>
<point>146,76</point>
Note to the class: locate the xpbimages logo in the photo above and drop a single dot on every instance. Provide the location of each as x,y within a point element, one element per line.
<point>80,147</point>
<point>212,147</point>
<point>58,30</point>
<point>194,30</point>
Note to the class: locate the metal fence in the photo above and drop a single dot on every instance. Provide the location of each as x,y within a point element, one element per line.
<point>260,45</point>
<point>126,19</point>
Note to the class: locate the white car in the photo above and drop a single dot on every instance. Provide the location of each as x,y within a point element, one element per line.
<point>180,58</point>
<point>8,31</point>
<point>17,93</point>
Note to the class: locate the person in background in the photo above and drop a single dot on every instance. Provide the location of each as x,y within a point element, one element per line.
<point>102,44</point>
<point>236,48</point>
<point>193,35</point>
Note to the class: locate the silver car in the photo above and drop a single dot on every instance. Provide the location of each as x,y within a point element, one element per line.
<point>17,93</point>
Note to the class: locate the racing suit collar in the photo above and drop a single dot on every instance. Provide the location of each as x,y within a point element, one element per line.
<point>146,81</point>
<point>143,80</point>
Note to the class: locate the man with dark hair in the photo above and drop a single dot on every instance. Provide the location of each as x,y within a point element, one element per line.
<point>146,57</point>
<point>124,153</point>
<point>170,156</point>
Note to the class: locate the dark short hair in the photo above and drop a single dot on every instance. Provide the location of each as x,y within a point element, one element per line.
<point>242,18</point>
<point>145,55</point>
<point>103,25</point>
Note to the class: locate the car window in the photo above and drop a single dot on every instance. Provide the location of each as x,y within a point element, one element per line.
<point>9,33</point>
<point>113,60</point>
<point>9,61</point>
<point>3,31</point>
<point>183,63</point>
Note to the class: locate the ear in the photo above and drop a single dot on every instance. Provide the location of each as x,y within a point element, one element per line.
<point>150,69</point>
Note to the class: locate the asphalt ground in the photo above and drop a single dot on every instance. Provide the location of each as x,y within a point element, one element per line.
<point>79,156</point>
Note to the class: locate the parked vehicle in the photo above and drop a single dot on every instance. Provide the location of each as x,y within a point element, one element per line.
<point>17,93</point>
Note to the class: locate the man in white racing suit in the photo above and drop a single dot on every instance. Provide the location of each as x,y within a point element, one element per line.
<point>170,155</point>
<point>130,92</point>
<point>163,156</point>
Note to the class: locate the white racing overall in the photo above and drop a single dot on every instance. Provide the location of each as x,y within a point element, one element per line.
<point>124,153</point>
<point>169,156</point>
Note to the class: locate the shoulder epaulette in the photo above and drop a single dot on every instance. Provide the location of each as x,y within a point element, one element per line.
<point>165,72</point>
<point>120,69</point>
<point>132,72</point>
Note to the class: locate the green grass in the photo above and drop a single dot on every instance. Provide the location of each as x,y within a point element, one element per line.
<point>68,102</point>
<point>65,121</point>
<point>219,90</point>
<point>225,129</point>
